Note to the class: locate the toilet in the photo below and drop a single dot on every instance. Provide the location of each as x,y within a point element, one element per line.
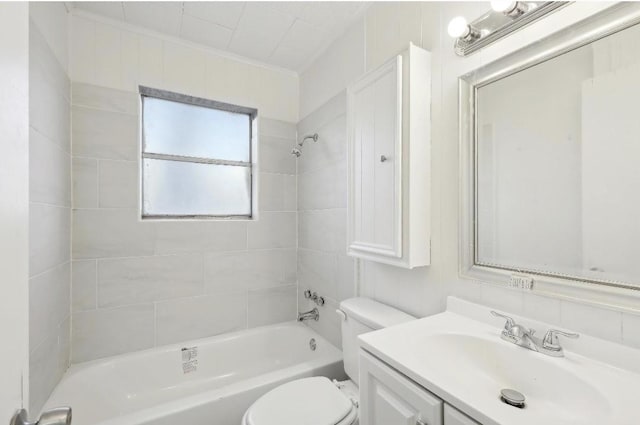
<point>318,400</point>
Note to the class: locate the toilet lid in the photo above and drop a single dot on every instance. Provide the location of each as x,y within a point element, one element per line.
<point>308,401</point>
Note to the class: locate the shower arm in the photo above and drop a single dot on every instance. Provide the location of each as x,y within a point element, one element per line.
<point>313,137</point>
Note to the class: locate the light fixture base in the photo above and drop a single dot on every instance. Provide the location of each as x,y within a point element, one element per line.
<point>492,26</point>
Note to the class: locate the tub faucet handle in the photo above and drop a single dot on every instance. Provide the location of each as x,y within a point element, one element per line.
<point>55,416</point>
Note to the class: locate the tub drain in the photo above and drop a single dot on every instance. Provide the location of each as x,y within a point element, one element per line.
<point>312,344</point>
<point>512,397</point>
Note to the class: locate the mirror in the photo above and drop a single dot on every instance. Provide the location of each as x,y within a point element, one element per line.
<point>557,164</point>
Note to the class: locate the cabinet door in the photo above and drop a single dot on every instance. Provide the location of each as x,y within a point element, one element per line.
<point>389,398</point>
<point>375,161</point>
<point>453,416</point>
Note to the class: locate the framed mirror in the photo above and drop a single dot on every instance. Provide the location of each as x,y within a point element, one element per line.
<point>550,150</point>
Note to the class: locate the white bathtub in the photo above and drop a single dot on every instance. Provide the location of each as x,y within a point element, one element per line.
<point>232,371</point>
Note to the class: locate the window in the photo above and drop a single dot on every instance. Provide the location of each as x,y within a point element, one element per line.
<point>197,157</point>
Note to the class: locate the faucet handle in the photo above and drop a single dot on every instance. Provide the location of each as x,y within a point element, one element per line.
<point>510,323</point>
<point>550,340</point>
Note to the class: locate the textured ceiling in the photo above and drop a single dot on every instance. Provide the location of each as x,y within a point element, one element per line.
<point>285,34</point>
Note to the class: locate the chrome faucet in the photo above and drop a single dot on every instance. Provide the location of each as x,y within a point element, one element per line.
<point>308,315</point>
<point>523,337</point>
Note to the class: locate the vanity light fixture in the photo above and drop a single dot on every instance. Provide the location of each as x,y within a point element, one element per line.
<point>512,9</point>
<point>505,17</point>
<point>459,28</point>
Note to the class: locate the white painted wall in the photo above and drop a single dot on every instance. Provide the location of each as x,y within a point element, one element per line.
<point>389,28</point>
<point>14,208</point>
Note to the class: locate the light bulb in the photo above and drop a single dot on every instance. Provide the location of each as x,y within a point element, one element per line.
<point>504,6</point>
<point>458,27</point>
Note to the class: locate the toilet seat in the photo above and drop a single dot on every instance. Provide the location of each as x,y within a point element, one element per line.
<point>308,401</point>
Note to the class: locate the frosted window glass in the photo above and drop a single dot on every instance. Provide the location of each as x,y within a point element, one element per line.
<point>187,188</point>
<point>175,128</point>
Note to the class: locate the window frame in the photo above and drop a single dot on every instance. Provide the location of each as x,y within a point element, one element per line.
<point>210,104</point>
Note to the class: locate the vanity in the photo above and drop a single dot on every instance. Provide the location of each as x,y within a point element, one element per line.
<point>450,369</point>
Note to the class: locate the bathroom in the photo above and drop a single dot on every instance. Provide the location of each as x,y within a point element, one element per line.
<point>149,279</point>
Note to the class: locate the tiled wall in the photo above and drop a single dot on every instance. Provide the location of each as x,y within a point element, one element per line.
<point>139,284</point>
<point>49,219</point>
<point>323,265</point>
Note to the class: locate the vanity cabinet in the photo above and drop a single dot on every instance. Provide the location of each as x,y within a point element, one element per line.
<point>388,130</point>
<point>389,398</point>
<point>453,416</point>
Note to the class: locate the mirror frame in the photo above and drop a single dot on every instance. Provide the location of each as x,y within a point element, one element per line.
<point>604,293</point>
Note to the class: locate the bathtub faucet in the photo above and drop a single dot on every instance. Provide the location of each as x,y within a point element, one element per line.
<point>308,315</point>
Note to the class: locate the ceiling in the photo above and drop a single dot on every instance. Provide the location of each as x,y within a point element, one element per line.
<point>285,34</point>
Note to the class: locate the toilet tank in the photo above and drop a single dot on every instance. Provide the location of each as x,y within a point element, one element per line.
<point>361,315</point>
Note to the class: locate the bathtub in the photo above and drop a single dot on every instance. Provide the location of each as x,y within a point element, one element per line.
<point>209,381</point>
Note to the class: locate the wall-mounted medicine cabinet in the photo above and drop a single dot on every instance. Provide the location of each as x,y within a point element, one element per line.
<point>388,131</point>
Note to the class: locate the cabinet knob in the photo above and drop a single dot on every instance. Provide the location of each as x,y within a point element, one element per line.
<point>383,158</point>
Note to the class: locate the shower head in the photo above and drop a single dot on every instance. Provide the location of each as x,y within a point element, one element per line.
<point>296,152</point>
<point>313,137</point>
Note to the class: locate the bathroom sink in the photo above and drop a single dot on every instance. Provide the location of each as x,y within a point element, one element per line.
<point>486,365</point>
<point>462,359</point>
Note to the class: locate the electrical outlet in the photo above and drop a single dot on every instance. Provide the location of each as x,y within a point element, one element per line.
<point>522,282</point>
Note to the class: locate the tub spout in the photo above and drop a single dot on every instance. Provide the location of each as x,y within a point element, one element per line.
<point>308,315</point>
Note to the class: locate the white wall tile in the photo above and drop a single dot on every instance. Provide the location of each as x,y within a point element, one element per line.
<point>49,111</point>
<point>323,230</point>
<point>50,171</point>
<point>290,189</point>
<point>44,371</point>
<point>52,21</point>
<point>97,97</point>
<point>85,183</point>
<point>275,155</point>
<point>118,184</point>
<point>271,192</point>
<point>125,281</point>
<point>273,230</point>
<point>49,235</point>
<point>108,58</point>
<point>111,233</point>
<point>83,49</point>
<point>49,302</point>
<point>317,271</point>
<point>234,271</point>
<point>277,128</point>
<point>198,317</point>
<point>104,134</point>
<point>107,332</point>
<point>273,305</point>
<point>200,236</point>
<point>84,285</point>
<point>323,188</point>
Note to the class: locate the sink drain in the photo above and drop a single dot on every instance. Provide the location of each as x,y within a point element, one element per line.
<point>512,397</point>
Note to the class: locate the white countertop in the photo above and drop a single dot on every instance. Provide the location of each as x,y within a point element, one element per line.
<point>459,356</point>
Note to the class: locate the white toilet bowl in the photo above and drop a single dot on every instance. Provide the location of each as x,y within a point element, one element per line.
<point>308,401</point>
<point>318,400</point>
